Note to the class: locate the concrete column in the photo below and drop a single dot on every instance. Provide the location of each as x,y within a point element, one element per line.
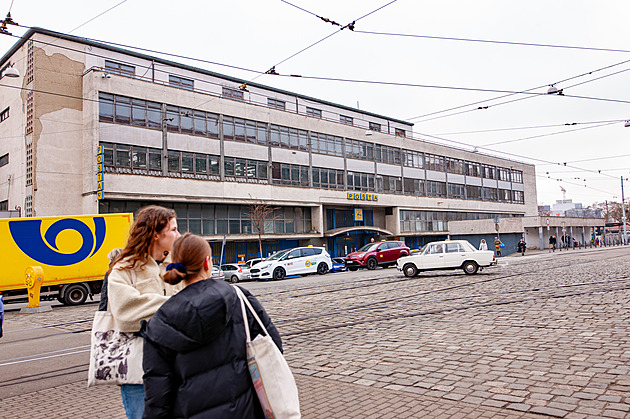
<point>540,236</point>
<point>583,242</point>
<point>571,236</point>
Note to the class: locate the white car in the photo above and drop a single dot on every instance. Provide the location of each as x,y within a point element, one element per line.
<point>448,254</point>
<point>297,261</point>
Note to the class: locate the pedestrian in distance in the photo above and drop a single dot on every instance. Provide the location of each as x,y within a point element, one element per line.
<point>195,359</point>
<point>483,245</point>
<point>497,246</point>
<point>135,288</point>
<point>521,246</point>
<point>552,242</point>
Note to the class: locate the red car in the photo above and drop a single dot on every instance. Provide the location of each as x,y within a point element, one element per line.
<point>371,255</point>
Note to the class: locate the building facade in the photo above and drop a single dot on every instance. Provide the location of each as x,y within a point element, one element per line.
<point>92,128</point>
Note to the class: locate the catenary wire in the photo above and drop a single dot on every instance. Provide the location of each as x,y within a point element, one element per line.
<point>487,41</point>
<point>527,128</point>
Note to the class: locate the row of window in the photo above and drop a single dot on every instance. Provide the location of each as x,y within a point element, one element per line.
<point>211,219</point>
<point>419,221</point>
<point>234,94</point>
<point>118,157</point>
<point>124,110</point>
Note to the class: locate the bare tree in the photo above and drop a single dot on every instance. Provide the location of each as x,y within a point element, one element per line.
<point>262,219</point>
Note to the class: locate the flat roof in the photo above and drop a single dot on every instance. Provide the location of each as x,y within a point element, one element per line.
<point>89,42</point>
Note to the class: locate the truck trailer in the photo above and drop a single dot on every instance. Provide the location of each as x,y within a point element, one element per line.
<point>71,250</point>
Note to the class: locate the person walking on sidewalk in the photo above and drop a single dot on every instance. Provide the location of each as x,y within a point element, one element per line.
<point>135,289</point>
<point>195,359</point>
<point>521,246</point>
<point>497,246</point>
<point>552,242</point>
<point>483,245</point>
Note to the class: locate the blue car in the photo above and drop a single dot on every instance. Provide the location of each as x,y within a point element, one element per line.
<point>338,265</point>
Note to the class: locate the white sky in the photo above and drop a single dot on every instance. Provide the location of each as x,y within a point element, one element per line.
<point>257,34</point>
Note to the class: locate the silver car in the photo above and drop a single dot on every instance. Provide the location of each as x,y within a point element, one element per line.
<point>235,272</point>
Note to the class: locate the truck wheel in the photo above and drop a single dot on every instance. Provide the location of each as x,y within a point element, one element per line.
<point>470,268</point>
<point>371,264</point>
<point>233,279</point>
<point>75,294</point>
<point>279,273</point>
<point>322,268</point>
<point>410,270</point>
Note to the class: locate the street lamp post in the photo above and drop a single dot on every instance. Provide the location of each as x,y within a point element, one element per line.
<point>623,214</point>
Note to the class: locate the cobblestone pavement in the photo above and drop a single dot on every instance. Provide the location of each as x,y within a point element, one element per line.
<point>541,335</point>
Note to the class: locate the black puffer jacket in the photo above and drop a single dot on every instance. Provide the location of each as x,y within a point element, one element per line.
<point>195,362</point>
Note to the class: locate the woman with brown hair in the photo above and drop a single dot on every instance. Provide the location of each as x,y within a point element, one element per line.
<point>195,360</point>
<point>135,288</point>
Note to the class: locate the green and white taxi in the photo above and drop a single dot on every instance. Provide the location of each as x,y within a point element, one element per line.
<point>297,261</point>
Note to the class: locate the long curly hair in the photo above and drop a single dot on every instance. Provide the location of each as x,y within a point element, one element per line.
<point>149,221</point>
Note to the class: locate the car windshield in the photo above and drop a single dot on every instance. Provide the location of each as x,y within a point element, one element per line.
<point>368,247</point>
<point>278,255</point>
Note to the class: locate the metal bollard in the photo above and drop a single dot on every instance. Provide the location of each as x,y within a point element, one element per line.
<point>33,278</point>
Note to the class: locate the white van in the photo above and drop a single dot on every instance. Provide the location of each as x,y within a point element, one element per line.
<point>297,261</point>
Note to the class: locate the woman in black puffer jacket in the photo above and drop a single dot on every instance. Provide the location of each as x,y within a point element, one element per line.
<point>195,361</point>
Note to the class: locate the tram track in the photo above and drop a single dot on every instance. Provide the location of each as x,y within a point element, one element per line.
<point>400,305</point>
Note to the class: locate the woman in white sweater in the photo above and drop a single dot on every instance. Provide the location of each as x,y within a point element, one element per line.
<point>135,288</point>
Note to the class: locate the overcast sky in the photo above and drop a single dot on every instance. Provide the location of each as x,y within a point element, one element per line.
<point>257,34</point>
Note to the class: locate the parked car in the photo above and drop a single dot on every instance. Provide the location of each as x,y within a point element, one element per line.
<point>235,272</point>
<point>217,273</point>
<point>297,261</point>
<point>448,254</point>
<point>372,255</point>
<point>253,262</point>
<point>338,265</point>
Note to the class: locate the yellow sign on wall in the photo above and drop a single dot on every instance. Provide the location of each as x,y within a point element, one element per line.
<point>358,214</point>
<point>355,196</point>
<point>100,184</point>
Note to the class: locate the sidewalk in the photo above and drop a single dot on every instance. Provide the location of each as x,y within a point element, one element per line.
<point>319,398</point>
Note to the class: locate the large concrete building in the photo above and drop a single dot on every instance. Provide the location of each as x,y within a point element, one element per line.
<point>210,146</point>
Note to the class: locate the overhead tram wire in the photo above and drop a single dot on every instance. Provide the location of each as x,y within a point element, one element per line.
<point>550,134</point>
<point>504,96</point>
<point>530,127</point>
<point>510,93</point>
<point>519,156</point>
<point>488,41</point>
<point>349,26</point>
<point>97,16</point>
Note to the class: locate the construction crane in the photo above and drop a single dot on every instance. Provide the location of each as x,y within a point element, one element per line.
<point>564,193</point>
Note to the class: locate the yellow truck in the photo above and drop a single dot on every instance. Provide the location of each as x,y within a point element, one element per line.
<point>71,250</point>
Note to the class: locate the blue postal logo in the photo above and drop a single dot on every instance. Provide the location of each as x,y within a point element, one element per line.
<point>27,235</point>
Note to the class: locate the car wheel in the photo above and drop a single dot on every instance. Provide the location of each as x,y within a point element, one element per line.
<point>75,294</point>
<point>233,279</point>
<point>410,270</point>
<point>322,268</point>
<point>279,273</point>
<point>352,269</point>
<point>371,264</point>
<point>470,268</point>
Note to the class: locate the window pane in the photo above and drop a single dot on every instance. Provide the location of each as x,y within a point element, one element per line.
<point>106,107</point>
<point>139,157</point>
<point>139,112</point>
<point>201,164</point>
<point>154,115</point>
<point>187,162</point>
<point>122,156</point>
<point>172,118</point>
<point>213,125</point>
<point>173,161</point>
<point>123,109</point>
<point>228,128</point>
<point>155,160</point>
<point>200,123</point>
<point>229,166</point>
<point>186,120</point>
